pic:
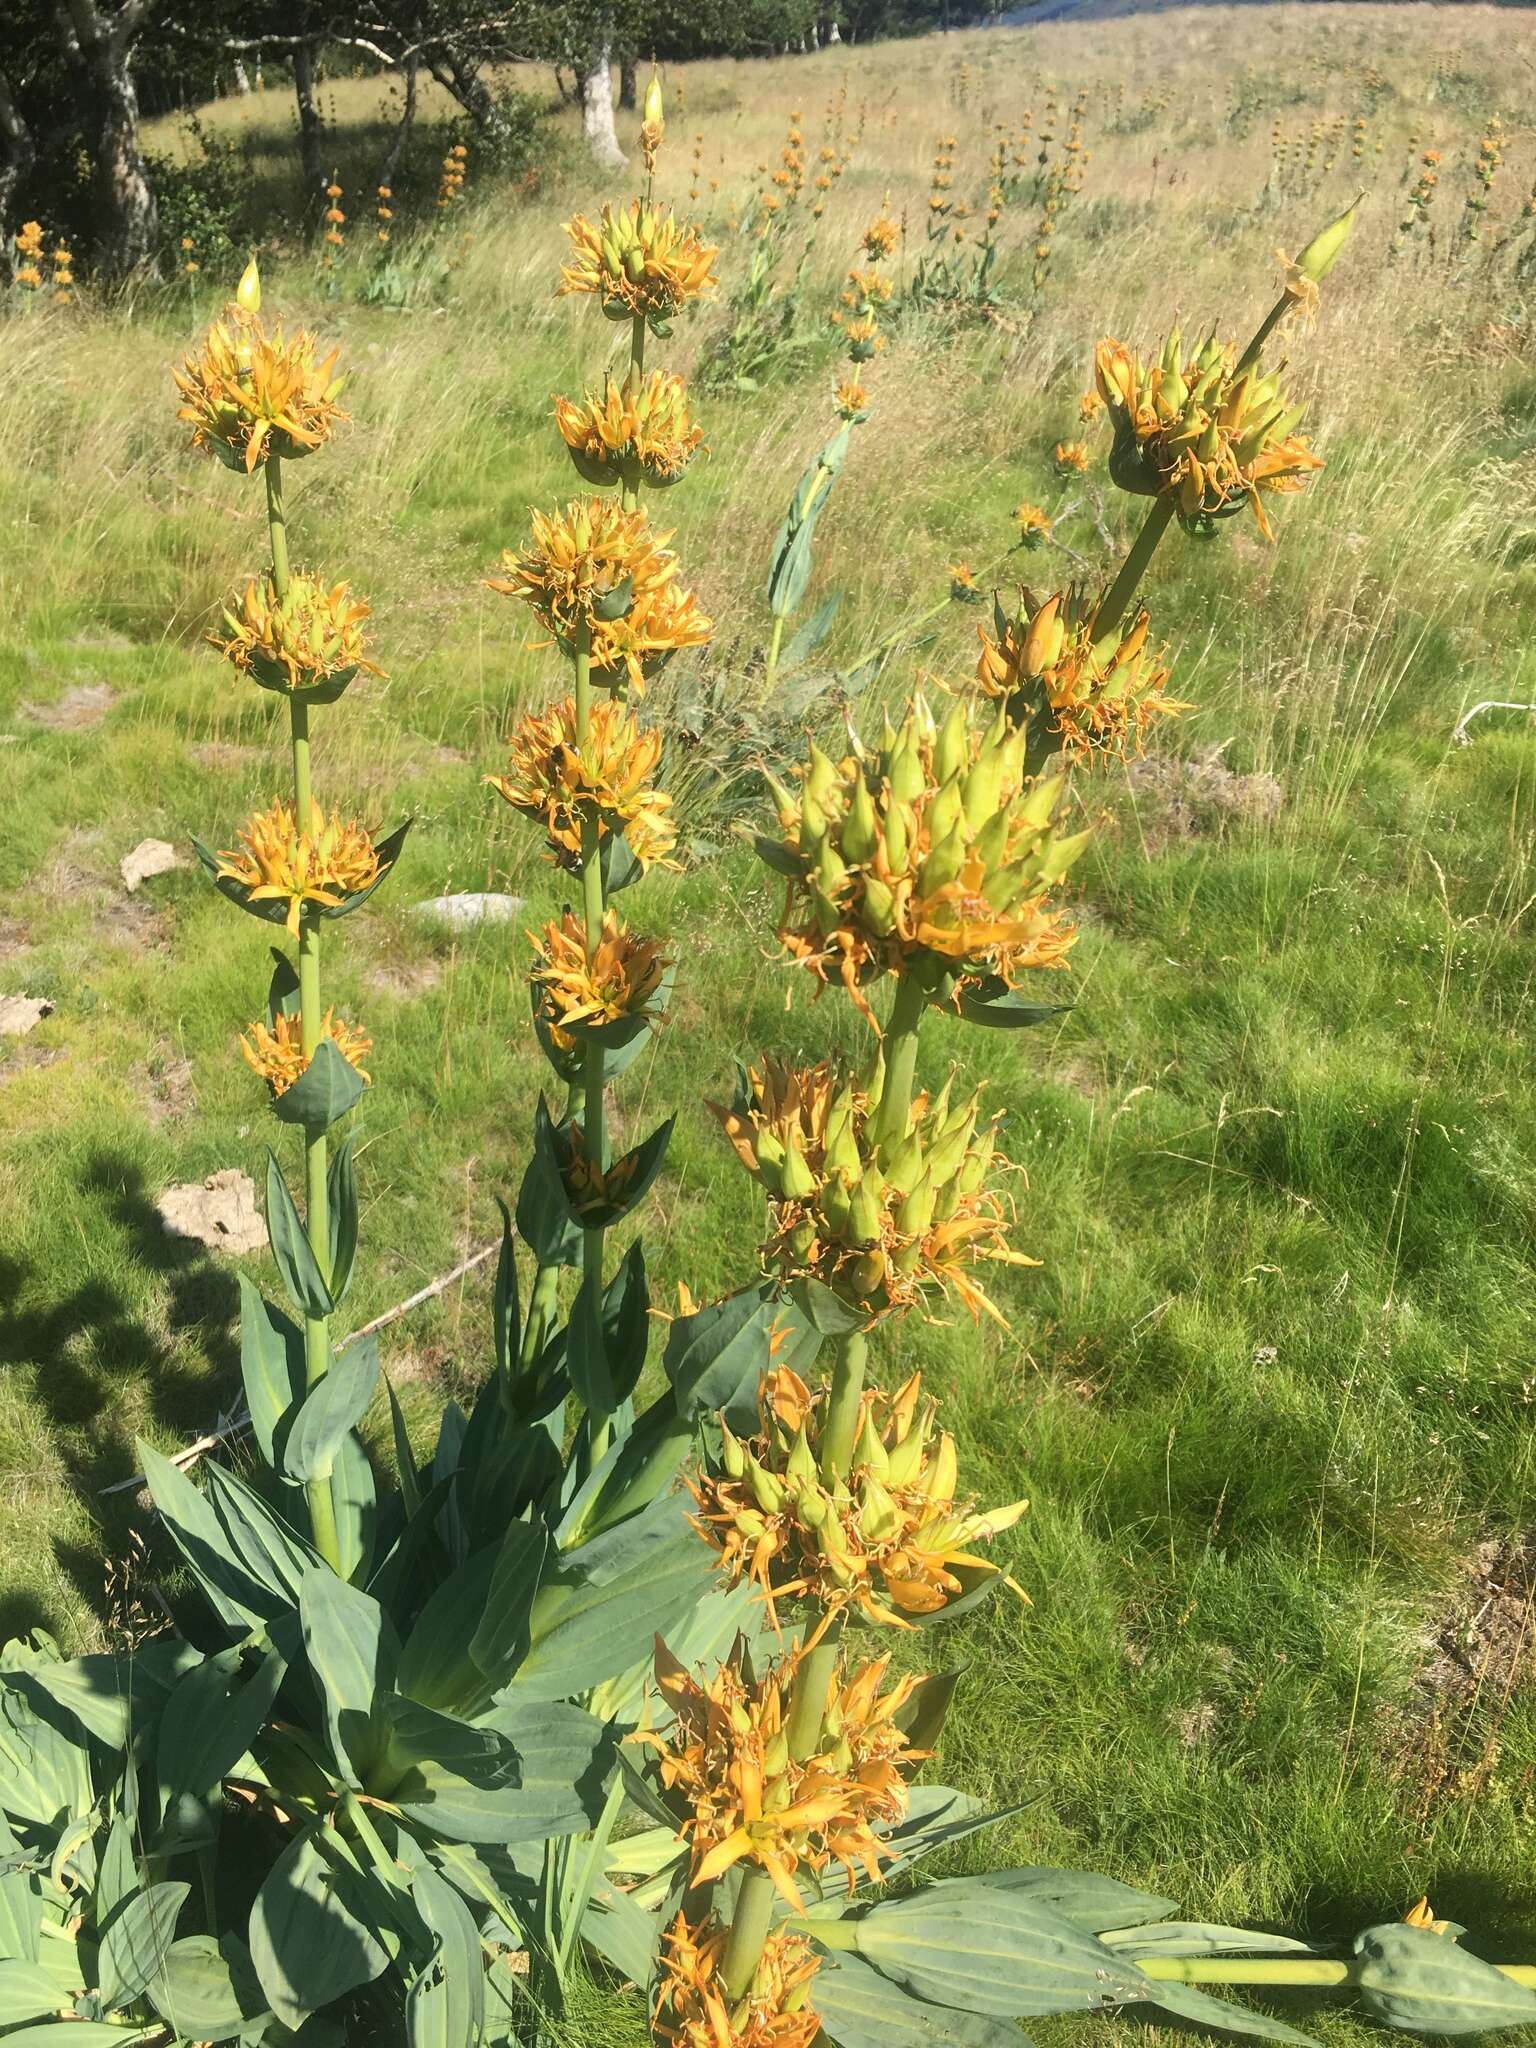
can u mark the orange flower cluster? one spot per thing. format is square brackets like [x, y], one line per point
[638, 261]
[632, 431]
[248, 394]
[310, 637]
[890, 1543]
[553, 776]
[275, 1052]
[693, 2009]
[1099, 694]
[324, 863]
[621, 980]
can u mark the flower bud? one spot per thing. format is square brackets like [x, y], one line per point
[248, 291]
[1324, 250]
[653, 110]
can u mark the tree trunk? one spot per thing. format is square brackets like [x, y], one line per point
[597, 104]
[628, 67]
[391, 162]
[124, 198]
[311, 127]
[16, 156]
[459, 74]
[242, 82]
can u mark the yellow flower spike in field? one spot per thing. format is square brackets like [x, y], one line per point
[331, 859]
[694, 2010]
[599, 566]
[727, 1753]
[309, 640]
[1099, 695]
[621, 979]
[933, 854]
[274, 1050]
[1194, 426]
[639, 262]
[890, 1542]
[887, 1227]
[248, 394]
[554, 776]
[631, 432]
[1034, 524]
[882, 235]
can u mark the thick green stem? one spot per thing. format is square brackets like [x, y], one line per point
[893, 1112]
[842, 1424]
[1267, 325]
[1295, 1971]
[629, 487]
[594, 1113]
[808, 1702]
[543, 1306]
[277, 526]
[1116, 599]
[749, 1932]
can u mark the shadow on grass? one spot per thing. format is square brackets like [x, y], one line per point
[104, 1361]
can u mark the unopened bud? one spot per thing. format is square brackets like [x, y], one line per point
[1324, 250]
[248, 291]
[653, 110]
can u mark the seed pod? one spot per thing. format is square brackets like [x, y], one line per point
[860, 829]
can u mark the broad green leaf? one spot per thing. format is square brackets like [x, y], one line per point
[328, 1087]
[416, 1734]
[630, 1475]
[310, 1939]
[260, 1537]
[716, 1357]
[1200, 2009]
[563, 1758]
[117, 1873]
[586, 1354]
[790, 569]
[623, 1933]
[435, 1665]
[1081, 1896]
[405, 1457]
[271, 1367]
[209, 1723]
[242, 1600]
[457, 2011]
[544, 1218]
[355, 1506]
[20, 1906]
[27, 1992]
[626, 1324]
[861, 2009]
[353, 1655]
[586, 1630]
[982, 1949]
[82, 2034]
[335, 1406]
[113, 1696]
[207, 1989]
[296, 1261]
[135, 1943]
[500, 1642]
[1199, 1938]
[1423, 1983]
[341, 1188]
[937, 1816]
[506, 1316]
[803, 643]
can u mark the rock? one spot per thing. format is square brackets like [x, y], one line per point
[219, 1212]
[471, 908]
[18, 1014]
[149, 857]
[85, 704]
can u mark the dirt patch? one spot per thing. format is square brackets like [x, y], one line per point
[85, 704]
[405, 980]
[164, 1085]
[15, 939]
[1199, 797]
[225, 757]
[1479, 1653]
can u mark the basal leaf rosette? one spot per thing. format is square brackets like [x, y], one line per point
[553, 776]
[639, 261]
[276, 868]
[631, 432]
[1098, 694]
[887, 1227]
[1202, 430]
[248, 393]
[607, 997]
[694, 2010]
[598, 567]
[307, 643]
[890, 1543]
[725, 1761]
[935, 856]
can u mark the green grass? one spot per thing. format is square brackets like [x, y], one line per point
[1271, 1384]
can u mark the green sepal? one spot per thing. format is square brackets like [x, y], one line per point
[586, 1353]
[621, 868]
[283, 998]
[296, 1261]
[328, 1087]
[326, 692]
[773, 853]
[271, 1368]
[826, 1312]
[544, 1219]
[613, 604]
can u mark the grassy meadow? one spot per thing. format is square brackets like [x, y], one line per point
[1271, 1388]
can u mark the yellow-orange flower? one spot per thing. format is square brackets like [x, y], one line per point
[631, 432]
[934, 853]
[1034, 525]
[554, 778]
[888, 1225]
[639, 262]
[851, 398]
[750, 1801]
[249, 394]
[881, 236]
[312, 636]
[325, 863]
[890, 1543]
[694, 2010]
[622, 980]
[1197, 428]
[597, 567]
[1071, 457]
[274, 1050]
[1100, 694]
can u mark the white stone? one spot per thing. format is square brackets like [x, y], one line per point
[219, 1212]
[18, 1014]
[471, 908]
[149, 857]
